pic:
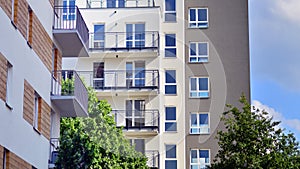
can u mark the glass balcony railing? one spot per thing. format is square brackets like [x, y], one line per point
[69, 94]
[117, 41]
[137, 119]
[122, 79]
[120, 3]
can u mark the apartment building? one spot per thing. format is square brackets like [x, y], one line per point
[31, 97]
[167, 67]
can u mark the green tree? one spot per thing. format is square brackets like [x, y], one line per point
[96, 142]
[252, 140]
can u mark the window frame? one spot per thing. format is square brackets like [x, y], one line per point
[196, 18]
[170, 158]
[37, 112]
[198, 158]
[9, 84]
[174, 122]
[101, 41]
[198, 91]
[170, 12]
[198, 56]
[170, 47]
[199, 127]
[134, 36]
[170, 84]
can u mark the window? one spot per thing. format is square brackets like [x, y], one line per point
[37, 111]
[139, 144]
[69, 10]
[135, 35]
[115, 3]
[135, 113]
[170, 46]
[198, 18]
[5, 158]
[199, 52]
[170, 10]
[170, 85]
[170, 123]
[9, 84]
[14, 7]
[29, 26]
[99, 36]
[171, 162]
[98, 75]
[199, 123]
[199, 159]
[135, 74]
[199, 87]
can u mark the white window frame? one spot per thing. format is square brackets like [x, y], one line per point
[199, 160]
[170, 47]
[171, 84]
[9, 84]
[198, 22]
[171, 159]
[99, 41]
[197, 88]
[169, 12]
[36, 111]
[171, 121]
[134, 39]
[198, 56]
[199, 127]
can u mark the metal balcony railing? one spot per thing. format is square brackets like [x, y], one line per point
[114, 41]
[122, 79]
[153, 159]
[137, 119]
[54, 144]
[120, 3]
[67, 83]
[70, 18]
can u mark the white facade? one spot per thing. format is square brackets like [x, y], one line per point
[115, 20]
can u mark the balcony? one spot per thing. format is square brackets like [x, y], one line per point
[138, 122]
[69, 94]
[70, 31]
[54, 144]
[153, 159]
[120, 3]
[147, 41]
[135, 81]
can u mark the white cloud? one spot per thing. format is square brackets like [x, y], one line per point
[288, 9]
[277, 116]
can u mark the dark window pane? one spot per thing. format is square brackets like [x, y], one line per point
[204, 153]
[192, 15]
[192, 49]
[202, 14]
[111, 3]
[203, 83]
[202, 49]
[170, 76]
[171, 17]
[170, 52]
[170, 5]
[203, 118]
[193, 84]
[193, 119]
[170, 113]
[171, 164]
[170, 89]
[170, 126]
[170, 151]
[170, 40]
[121, 3]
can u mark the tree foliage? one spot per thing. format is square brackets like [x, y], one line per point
[96, 142]
[252, 140]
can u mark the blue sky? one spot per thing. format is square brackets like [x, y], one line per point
[275, 59]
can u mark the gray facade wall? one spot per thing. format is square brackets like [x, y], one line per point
[227, 68]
